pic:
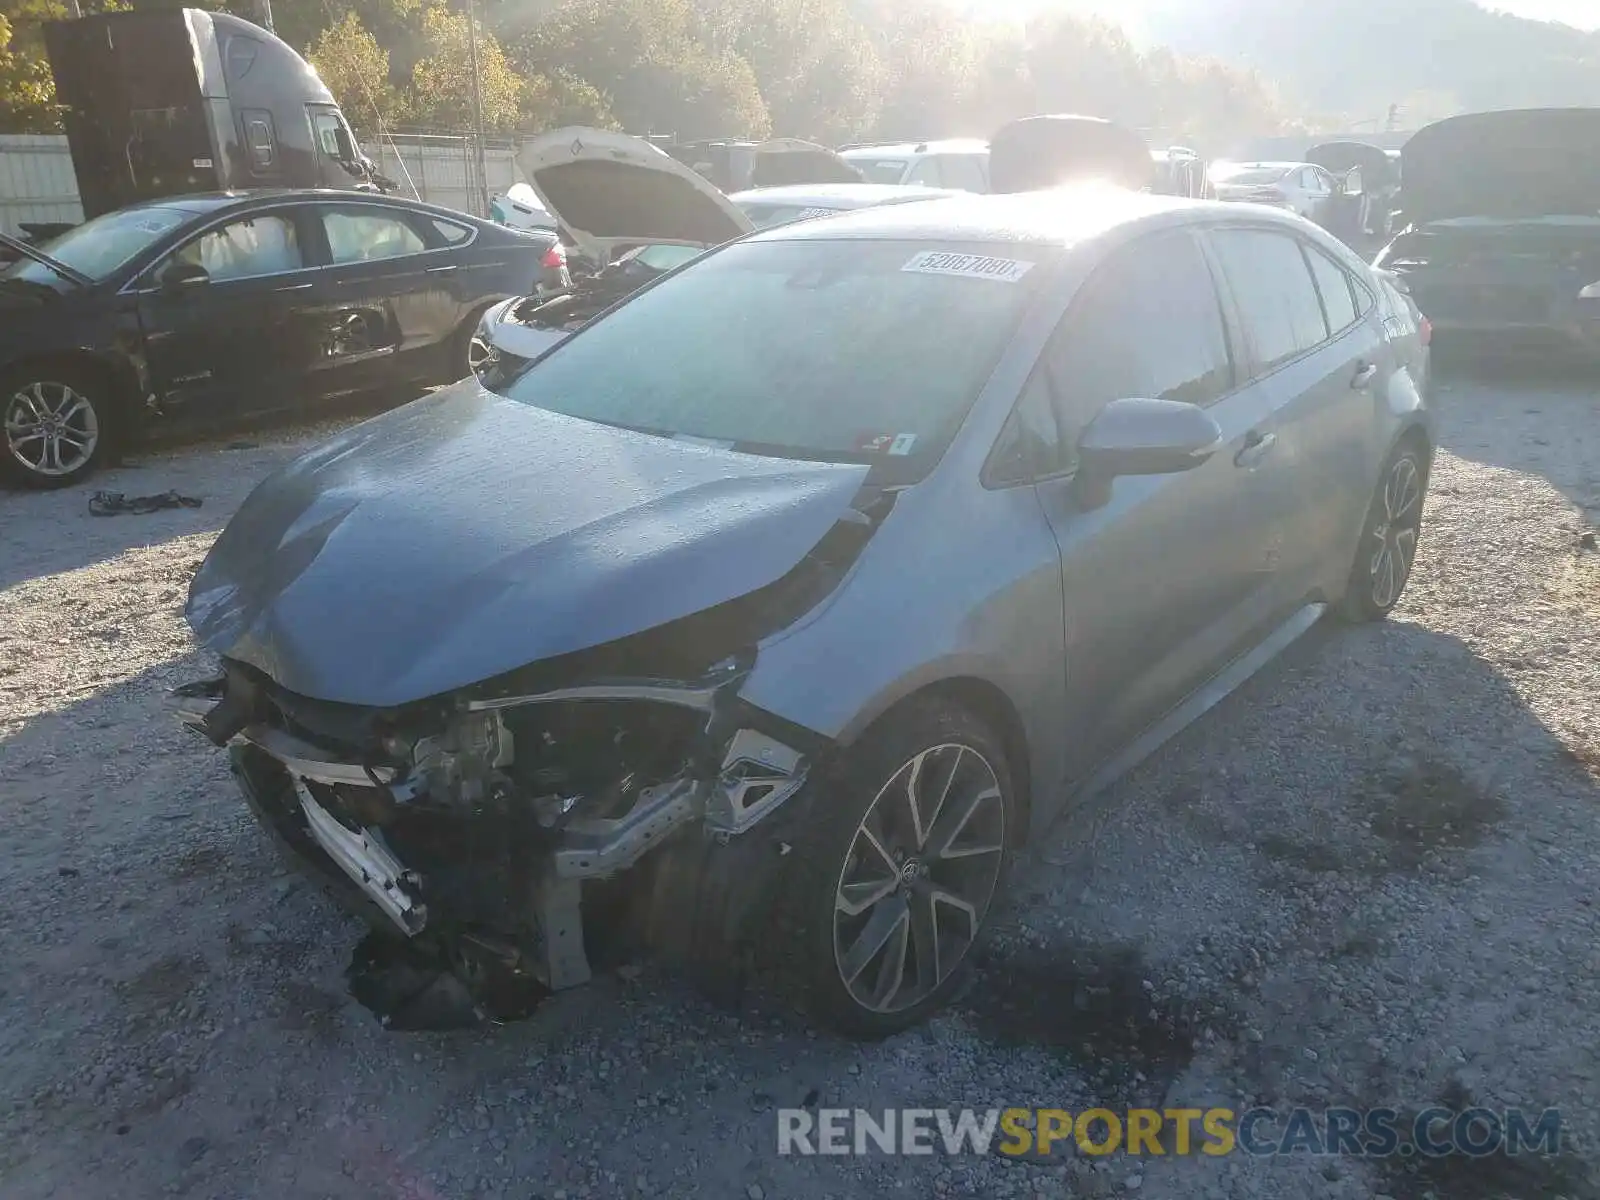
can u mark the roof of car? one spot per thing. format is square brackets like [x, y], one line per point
[841, 195]
[200, 203]
[1062, 216]
[910, 149]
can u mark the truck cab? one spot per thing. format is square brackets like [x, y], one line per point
[164, 102]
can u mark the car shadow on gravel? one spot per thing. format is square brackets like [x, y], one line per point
[1559, 396]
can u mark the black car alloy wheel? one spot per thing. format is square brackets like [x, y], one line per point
[54, 428]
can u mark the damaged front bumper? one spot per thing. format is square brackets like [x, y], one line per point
[487, 820]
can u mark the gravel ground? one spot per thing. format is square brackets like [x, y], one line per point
[1368, 879]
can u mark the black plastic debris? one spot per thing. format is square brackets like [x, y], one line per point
[412, 989]
[113, 504]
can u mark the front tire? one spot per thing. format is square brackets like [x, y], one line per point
[56, 424]
[1388, 546]
[908, 852]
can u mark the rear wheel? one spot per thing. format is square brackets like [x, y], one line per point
[56, 422]
[1388, 546]
[909, 850]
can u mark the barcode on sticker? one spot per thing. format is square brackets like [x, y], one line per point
[971, 266]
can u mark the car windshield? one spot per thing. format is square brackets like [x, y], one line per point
[879, 170]
[98, 247]
[847, 351]
[1250, 174]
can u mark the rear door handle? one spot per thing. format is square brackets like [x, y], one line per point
[1364, 376]
[1257, 446]
[296, 287]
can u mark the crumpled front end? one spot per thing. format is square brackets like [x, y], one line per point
[477, 825]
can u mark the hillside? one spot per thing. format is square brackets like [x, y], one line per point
[1354, 58]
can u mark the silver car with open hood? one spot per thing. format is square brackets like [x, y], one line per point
[776, 609]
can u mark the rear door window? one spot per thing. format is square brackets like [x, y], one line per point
[1274, 292]
[369, 234]
[1337, 290]
[1147, 326]
[926, 172]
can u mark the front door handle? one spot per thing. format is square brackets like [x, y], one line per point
[1257, 446]
[296, 287]
[1364, 376]
[441, 270]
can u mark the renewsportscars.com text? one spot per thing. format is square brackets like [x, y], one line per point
[1369, 1133]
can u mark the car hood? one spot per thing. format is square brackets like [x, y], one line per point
[1521, 163]
[1340, 158]
[465, 535]
[609, 190]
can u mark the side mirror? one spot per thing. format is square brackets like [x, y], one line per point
[183, 275]
[1142, 437]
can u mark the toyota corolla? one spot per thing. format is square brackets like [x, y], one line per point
[789, 598]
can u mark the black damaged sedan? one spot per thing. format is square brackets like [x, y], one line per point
[195, 310]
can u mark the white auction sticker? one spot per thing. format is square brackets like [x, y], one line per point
[971, 266]
[902, 444]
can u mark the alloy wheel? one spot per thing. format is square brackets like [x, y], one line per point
[918, 878]
[1394, 536]
[480, 355]
[51, 428]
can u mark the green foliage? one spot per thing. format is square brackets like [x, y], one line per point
[441, 83]
[828, 70]
[356, 69]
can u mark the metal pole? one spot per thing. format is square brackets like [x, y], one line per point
[73, 10]
[477, 110]
[266, 16]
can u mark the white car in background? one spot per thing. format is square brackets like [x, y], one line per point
[1297, 187]
[626, 203]
[960, 163]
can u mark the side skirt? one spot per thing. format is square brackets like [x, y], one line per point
[1202, 700]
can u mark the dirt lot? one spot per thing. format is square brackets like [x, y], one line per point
[1369, 878]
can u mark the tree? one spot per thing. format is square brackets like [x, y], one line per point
[441, 83]
[356, 69]
[643, 55]
[552, 101]
[27, 90]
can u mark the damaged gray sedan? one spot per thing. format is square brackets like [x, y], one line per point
[780, 605]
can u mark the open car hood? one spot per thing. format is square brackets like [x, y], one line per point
[465, 535]
[1046, 151]
[1519, 163]
[1340, 158]
[609, 190]
[786, 161]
